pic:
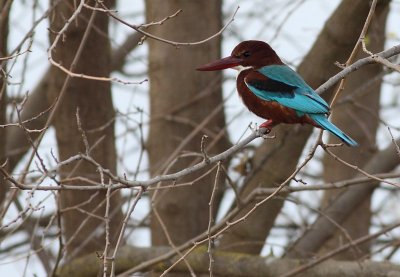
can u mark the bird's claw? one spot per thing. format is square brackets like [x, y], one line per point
[263, 132]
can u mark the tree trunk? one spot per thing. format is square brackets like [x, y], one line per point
[363, 123]
[4, 12]
[84, 233]
[175, 83]
[17, 144]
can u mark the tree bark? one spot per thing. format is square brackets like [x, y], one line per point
[83, 231]
[175, 83]
[4, 15]
[275, 160]
[17, 144]
[360, 117]
[230, 264]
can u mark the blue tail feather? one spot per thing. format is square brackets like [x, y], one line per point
[322, 121]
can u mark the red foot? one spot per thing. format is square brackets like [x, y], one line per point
[268, 124]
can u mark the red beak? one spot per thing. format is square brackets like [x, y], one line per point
[224, 63]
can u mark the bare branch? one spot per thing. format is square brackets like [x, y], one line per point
[229, 264]
[139, 29]
[393, 51]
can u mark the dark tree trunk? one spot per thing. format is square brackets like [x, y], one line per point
[177, 109]
[361, 116]
[93, 99]
[4, 12]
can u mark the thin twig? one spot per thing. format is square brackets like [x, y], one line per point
[107, 233]
[124, 224]
[211, 219]
[394, 141]
[371, 176]
[355, 49]
[139, 29]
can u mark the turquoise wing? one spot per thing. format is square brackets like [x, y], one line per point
[282, 84]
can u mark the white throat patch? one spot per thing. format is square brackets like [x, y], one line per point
[240, 68]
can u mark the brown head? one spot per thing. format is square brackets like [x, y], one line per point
[249, 53]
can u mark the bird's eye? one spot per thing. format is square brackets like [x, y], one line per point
[246, 54]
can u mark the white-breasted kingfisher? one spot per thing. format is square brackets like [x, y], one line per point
[272, 90]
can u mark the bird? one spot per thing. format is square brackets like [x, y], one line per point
[273, 91]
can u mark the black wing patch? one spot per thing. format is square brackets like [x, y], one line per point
[272, 85]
